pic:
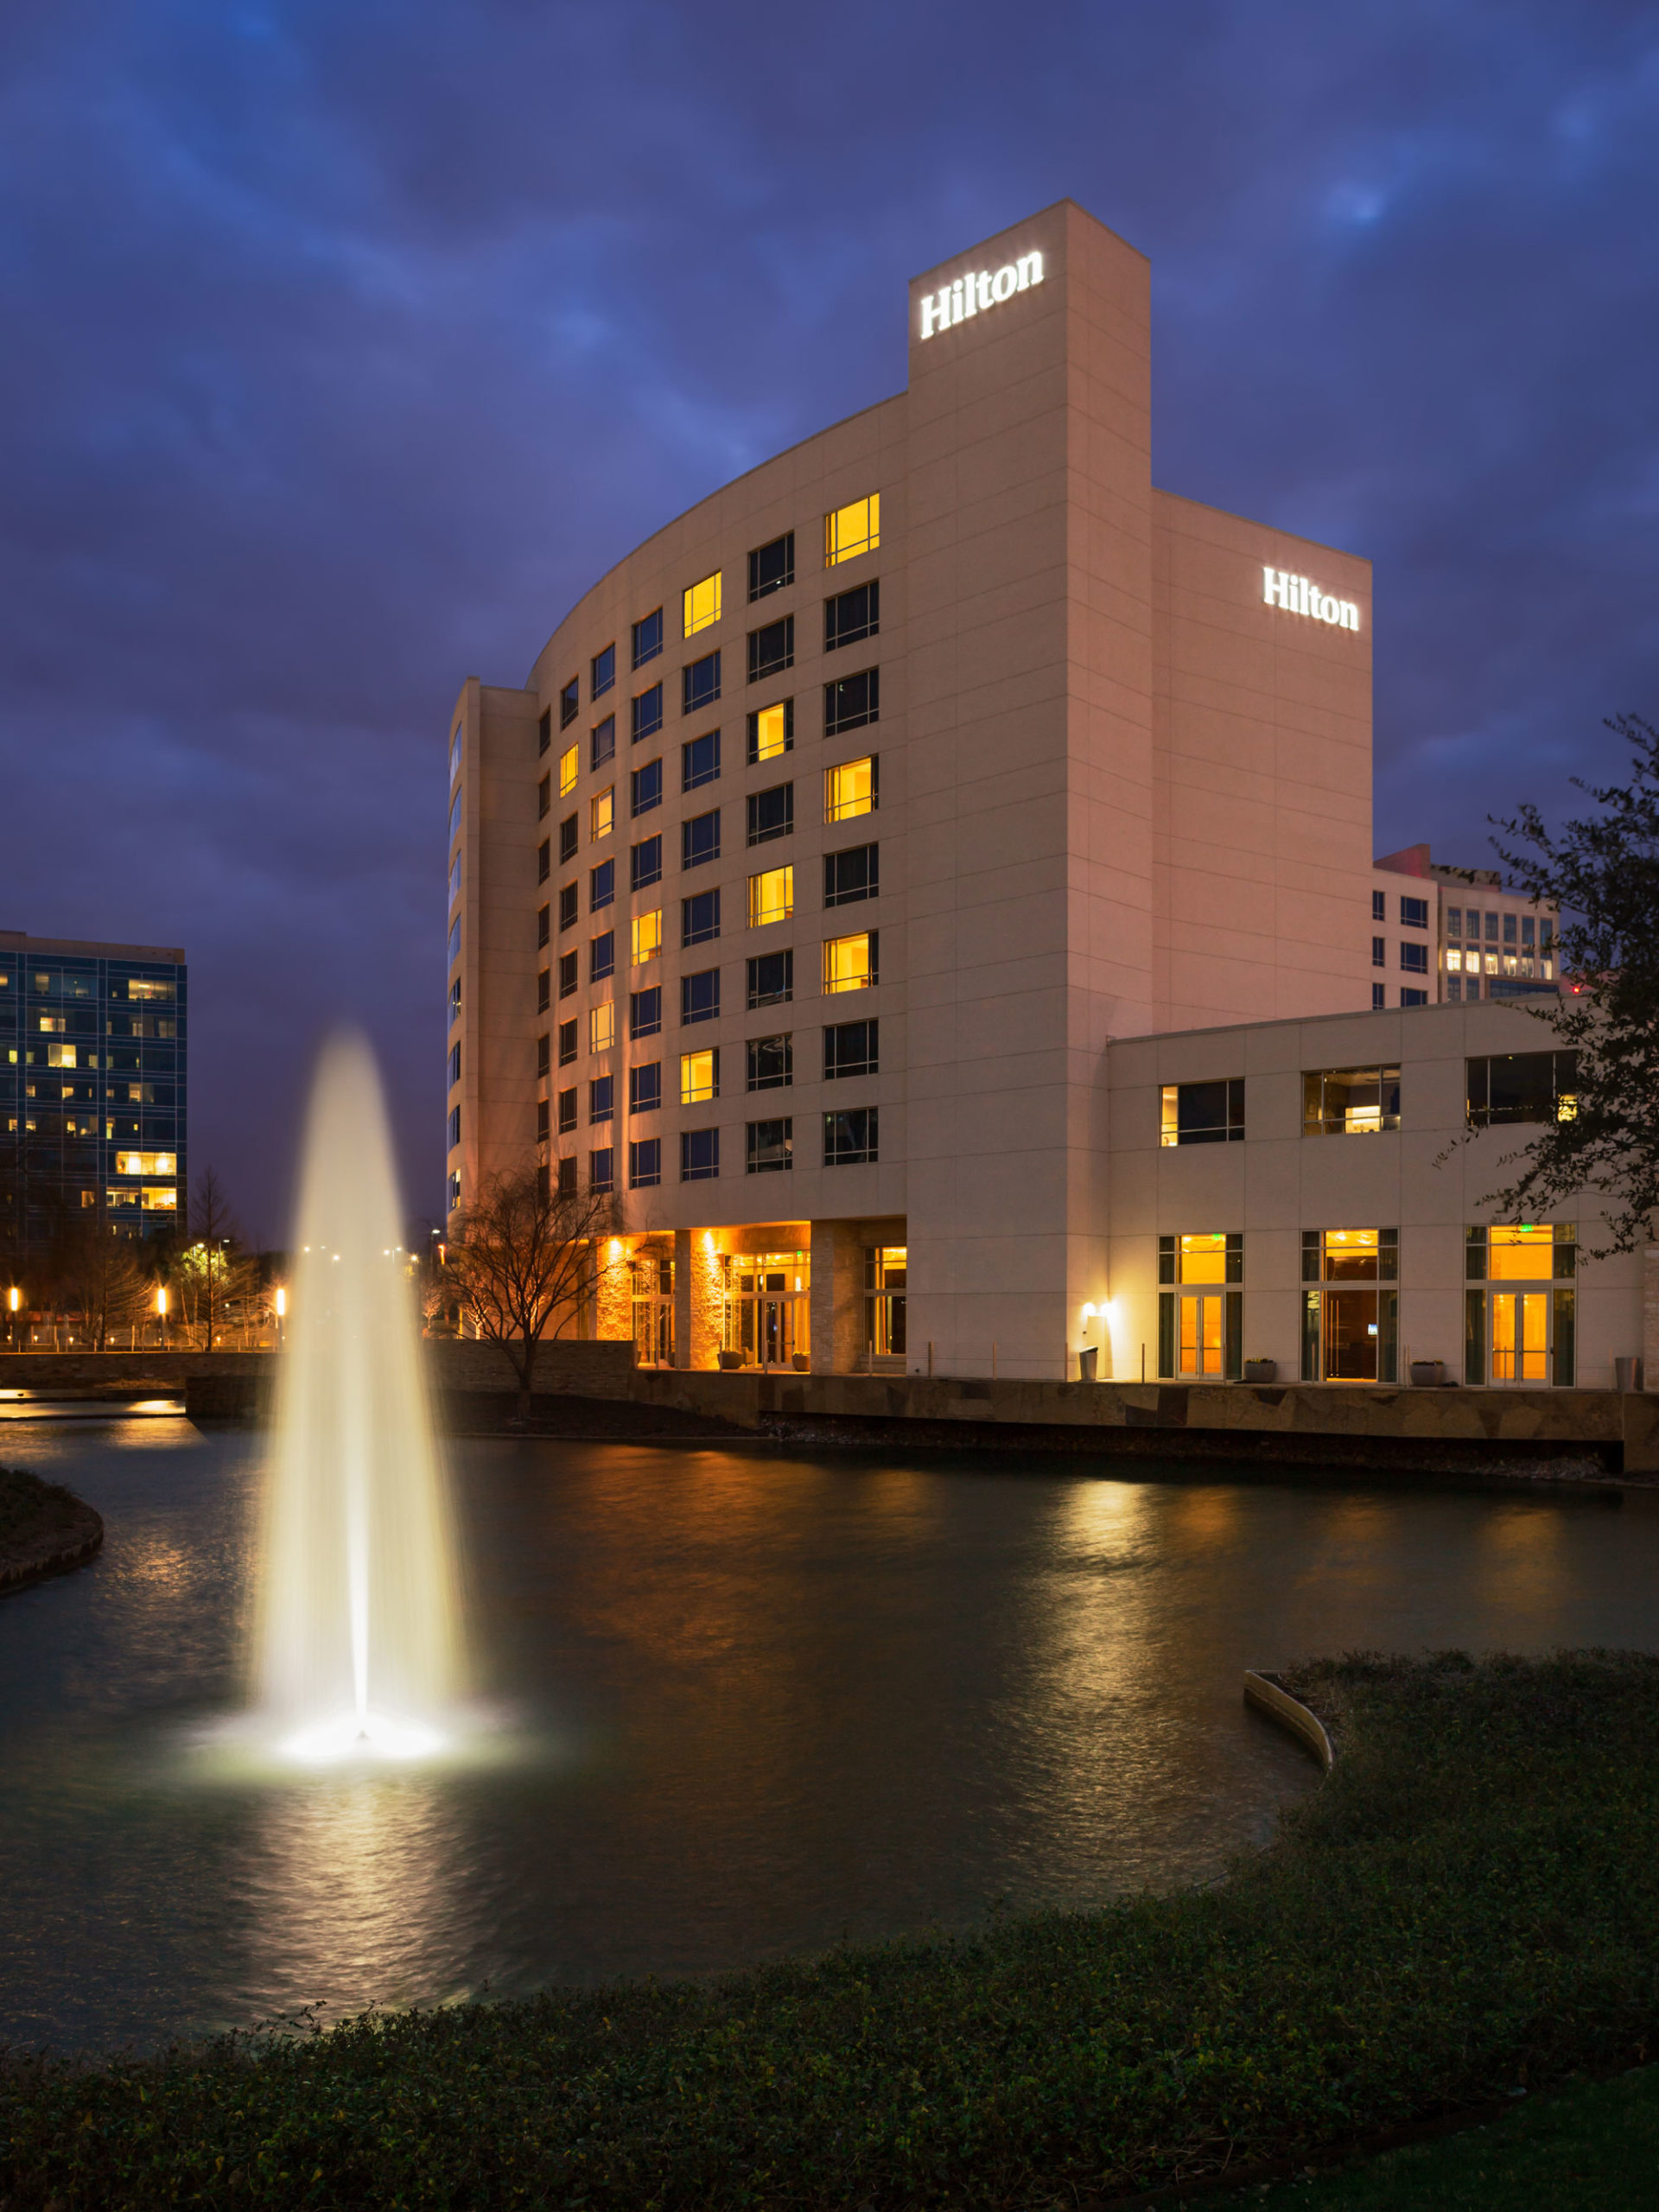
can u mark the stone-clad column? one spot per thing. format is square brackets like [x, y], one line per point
[1650, 1318]
[837, 1297]
[696, 1299]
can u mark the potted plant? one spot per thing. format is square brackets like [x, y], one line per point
[731, 1359]
[800, 1361]
[1261, 1370]
[1427, 1374]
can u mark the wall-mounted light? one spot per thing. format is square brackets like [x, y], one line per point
[282, 1302]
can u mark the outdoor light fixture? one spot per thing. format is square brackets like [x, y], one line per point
[282, 1303]
[160, 1302]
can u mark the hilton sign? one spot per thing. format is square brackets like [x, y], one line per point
[974, 295]
[1297, 596]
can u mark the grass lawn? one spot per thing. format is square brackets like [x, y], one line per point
[1468, 1905]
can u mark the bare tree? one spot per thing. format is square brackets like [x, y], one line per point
[102, 1280]
[520, 1260]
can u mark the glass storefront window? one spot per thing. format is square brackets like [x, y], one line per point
[886, 1274]
[766, 1307]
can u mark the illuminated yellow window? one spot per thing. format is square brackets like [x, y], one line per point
[121, 1198]
[54, 1024]
[699, 1076]
[59, 1056]
[160, 1197]
[146, 1163]
[147, 987]
[850, 790]
[601, 1027]
[647, 936]
[1521, 1253]
[771, 732]
[602, 809]
[703, 604]
[1204, 1259]
[568, 767]
[849, 962]
[772, 896]
[851, 530]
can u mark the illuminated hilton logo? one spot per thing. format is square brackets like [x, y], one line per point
[973, 295]
[1297, 596]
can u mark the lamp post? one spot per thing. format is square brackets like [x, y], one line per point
[161, 1308]
[282, 1312]
[14, 1300]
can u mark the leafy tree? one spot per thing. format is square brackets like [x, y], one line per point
[210, 1271]
[1602, 871]
[519, 1260]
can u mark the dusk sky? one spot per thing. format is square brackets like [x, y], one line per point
[347, 343]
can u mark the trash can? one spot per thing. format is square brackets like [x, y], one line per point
[1087, 1361]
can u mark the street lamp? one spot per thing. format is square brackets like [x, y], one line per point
[14, 1300]
[282, 1311]
[161, 1308]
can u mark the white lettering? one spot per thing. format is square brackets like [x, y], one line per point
[956, 300]
[1348, 615]
[1005, 283]
[1329, 610]
[1028, 269]
[1296, 595]
[936, 312]
[975, 295]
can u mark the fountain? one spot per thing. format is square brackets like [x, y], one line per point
[356, 1640]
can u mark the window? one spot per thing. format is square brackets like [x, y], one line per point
[646, 788]
[699, 1155]
[647, 714]
[569, 768]
[770, 1148]
[700, 997]
[645, 1164]
[851, 875]
[853, 615]
[1414, 958]
[850, 962]
[569, 835]
[700, 839]
[453, 1130]
[568, 1178]
[646, 863]
[601, 1168]
[567, 1042]
[543, 1059]
[1414, 998]
[1215, 1257]
[1350, 1325]
[772, 567]
[542, 1127]
[543, 739]
[1201, 1324]
[771, 648]
[852, 530]
[543, 864]
[770, 979]
[455, 816]
[850, 1138]
[602, 814]
[1379, 906]
[601, 885]
[648, 639]
[703, 604]
[1413, 913]
[567, 1110]
[1509, 928]
[851, 1048]
[852, 701]
[543, 924]
[601, 956]
[568, 973]
[602, 1099]
[699, 684]
[700, 761]
[543, 993]
[1202, 1113]
[1379, 952]
[1379, 997]
[601, 1027]
[700, 918]
[1350, 1101]
[1522, 1087]
[645, 1012]
[647, 936]
[772, 813]
[771, 732]
[851, 789]
[772, 897]
[699, 1076]
[543, 798]
[602, 672]
[1534, 1252]
[602, 742]
[569, 701]
[153, 1163]
[567, 903]
[771, 1062]
[646, 1088]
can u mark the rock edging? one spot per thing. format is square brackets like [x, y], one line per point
[1270, 1697]
[74, 1539]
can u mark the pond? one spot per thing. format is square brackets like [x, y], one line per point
[751, 1705]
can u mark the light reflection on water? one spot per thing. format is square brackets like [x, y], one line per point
[732, 1708]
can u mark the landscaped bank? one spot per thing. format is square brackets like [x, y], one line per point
[1469, 1904]
[44, 1529]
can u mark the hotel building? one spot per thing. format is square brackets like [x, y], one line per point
[873, 855]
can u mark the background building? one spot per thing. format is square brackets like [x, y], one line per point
[1456, 935]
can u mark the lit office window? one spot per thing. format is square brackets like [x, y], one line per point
[850, 962]
[772, 897]
[703, 604]
[647, 936]
[850, 789]
[602, 813]
[699, 1076]
[601, 1027]
[771, 732]
[569, 770]
[852, 530]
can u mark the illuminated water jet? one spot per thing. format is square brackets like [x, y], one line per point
[357, 1634]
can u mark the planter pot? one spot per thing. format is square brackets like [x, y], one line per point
[1088, 1361]
[1427, 1374]
[728, 1360]
[1261, 1370]
[801, 1362]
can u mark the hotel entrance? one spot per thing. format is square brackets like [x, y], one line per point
[1521, 1332]
[767, 1314]
[653, 1280]
[1350, 1312]
[1201, 1322]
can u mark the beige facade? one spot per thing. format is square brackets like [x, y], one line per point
[1455, 936]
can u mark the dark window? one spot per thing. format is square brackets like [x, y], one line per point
[700, 996]
[1379, 906]
[1414, 958]
[700, 839]
[648, 787]
[1379, 997]
[602, 1099]
[568, 973]
[646, 863]
[602, 674]
[770, 1148]
[772, 731]
[772, 813]
[648, 713]
[601, 885]
[852, 701]
[545, 730]
[648, 639]
[851, 875]
[567, 1042]
[700, 761]
[772, 567]
[646, 1088]
[569, 701]
[1350, 1101]
[772, 979]
[851, 1048]
[543, 993]
[850, 1137]
[603, 742]
[567, 1110]
[771, 648]
[601, 956]
[1413, 913]
[542, 1127]
[699, 1155]
[700, 684]
[568, 1178]
[1522, 1087]
[1379, 952]
[646, 1161]
[544, 860]
[700, 918]
[851, 615]
[568, 904]
[645, 1012]
[543, 1055]
[567, 839]
[543, 924]
[1202, 1113]
[772, 1063]
[1414, 998]
[544, 798]
[1509, 928]
[455, 1127]
[601, 1168]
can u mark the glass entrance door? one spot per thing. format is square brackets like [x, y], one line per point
[1203, 1335]
[1521, 1336]
[768, 1307]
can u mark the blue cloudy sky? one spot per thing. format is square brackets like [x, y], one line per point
[346, 342]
